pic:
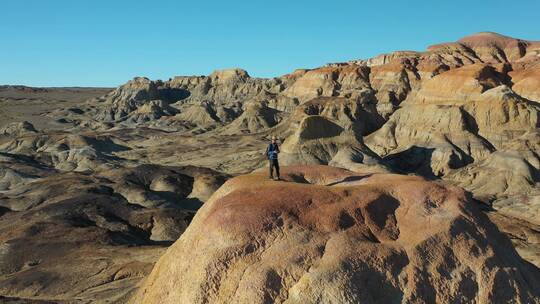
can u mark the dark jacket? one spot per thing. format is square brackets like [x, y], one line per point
[272, 151]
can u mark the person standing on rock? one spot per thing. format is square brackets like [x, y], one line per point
[272, 154]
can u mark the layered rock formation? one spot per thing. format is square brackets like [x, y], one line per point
[477, 94]
[202, 101]
[474, 122]
[328, 235]
[464, 113]
[455, 112]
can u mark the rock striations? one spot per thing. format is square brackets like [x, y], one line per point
[94, 183]
[328, 235]
[444, 113]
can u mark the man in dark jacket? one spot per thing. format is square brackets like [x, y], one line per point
[272, 153]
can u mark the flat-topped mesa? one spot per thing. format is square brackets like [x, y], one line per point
[217, 77]
[328, 235]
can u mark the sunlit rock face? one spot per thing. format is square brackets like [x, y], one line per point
[106, 179]
[328, 235]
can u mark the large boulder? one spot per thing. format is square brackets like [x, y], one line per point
[327, 235]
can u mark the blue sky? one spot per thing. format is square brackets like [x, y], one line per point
[106, 43]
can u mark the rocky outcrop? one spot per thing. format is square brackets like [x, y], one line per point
[344, 81]
[526, 80]
[451, 125]
[439, 113]
[491, 47]
[135, 96]
[198, 101]
[316, 139]
[359, 115]
[523, 235]
[429, 144]
[326, 127]
[329, 235]
[255, 118]
[17, 129]
[201, 115]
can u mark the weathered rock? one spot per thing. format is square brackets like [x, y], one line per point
[526, 81]
[329, 81]
[200, 115]
[135, 96]
[429, 144]
[16, 129]
[495, 47]
[523, 235]
[465, 112]
[356, 114]
[256, 117]
[450, 126]
[326, 235]
[329, 129]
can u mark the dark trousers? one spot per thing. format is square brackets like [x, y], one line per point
[274, 164]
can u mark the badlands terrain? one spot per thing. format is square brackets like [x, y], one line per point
[410, 177]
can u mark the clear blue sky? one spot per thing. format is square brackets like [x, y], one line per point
[106, 43]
